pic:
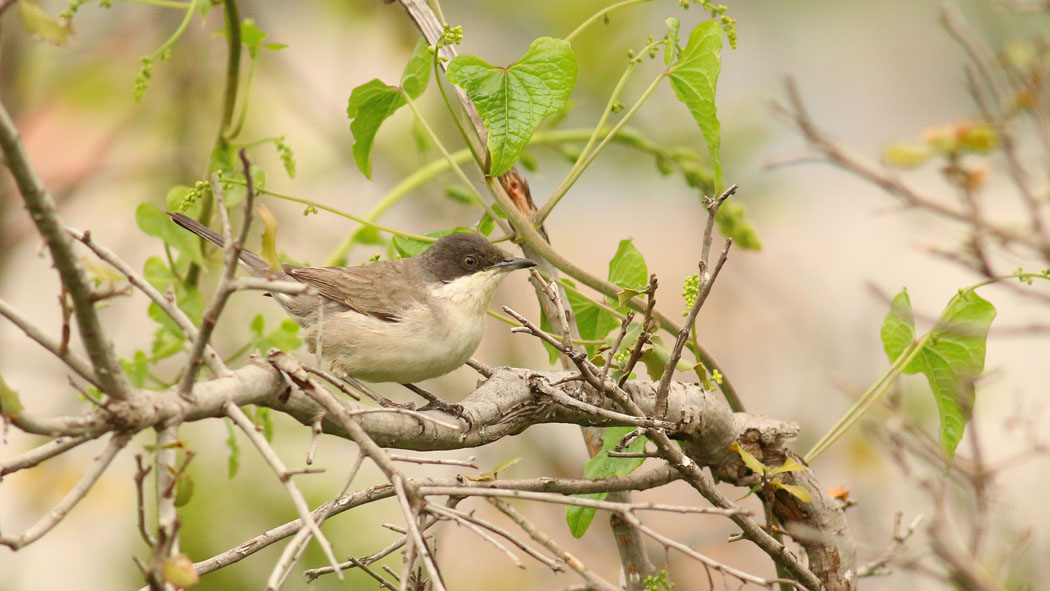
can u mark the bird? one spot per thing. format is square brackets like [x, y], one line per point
[401, 320]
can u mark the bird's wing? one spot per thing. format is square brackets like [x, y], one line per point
[364, 289]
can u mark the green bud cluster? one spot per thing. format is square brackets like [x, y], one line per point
[690, 289]
[451, 36]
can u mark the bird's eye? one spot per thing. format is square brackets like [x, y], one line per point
[470, 260]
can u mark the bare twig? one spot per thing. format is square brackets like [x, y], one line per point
[60, 510]
[643, 337]
[797, 115]
[707, 281]
[725, 569]
[877, 566]
[163, 302]
[468, 522]
[295, 548]
[551, 564]
[544, 540]
[471, 463]
[71, 359]
[616, 346]
[44, 452]
[141, 471]
[245, 424]
[368, 446]
[231, 254]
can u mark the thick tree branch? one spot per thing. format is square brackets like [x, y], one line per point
[45, 215]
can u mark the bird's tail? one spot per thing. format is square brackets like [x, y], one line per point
[255, 263]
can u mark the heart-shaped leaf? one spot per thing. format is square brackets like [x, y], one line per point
[513, 100]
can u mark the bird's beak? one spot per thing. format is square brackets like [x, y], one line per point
[514, 263]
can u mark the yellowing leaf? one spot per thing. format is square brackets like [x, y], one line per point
[794, 490]
[269, 237]
[789, 465]
[749, 460]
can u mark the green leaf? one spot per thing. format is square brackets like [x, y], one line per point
[10, 404]
[368, 235]
[733, 223]
[264, 420]
[221, 159]
[184, 487]
[592, 320]
[158, 274]
[183, 199]
[627, 267]
[284, 337]
[189, 299]
[626, 294]
[545, 325]
[898, 329]
[233, 461]
[494, 473]
[694, 78]
[166, 323]
[410, 247]
[460, 194]
[512, 101]
[656, 357]
[155, 222]
[136, 369]
[39, 24]
[952, 359]
[416, 76]
[601, 466]
[370, 105]
[166, 343]
[671, 46]
[251, 37]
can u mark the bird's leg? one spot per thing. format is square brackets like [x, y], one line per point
[382, 400]
[436, 403]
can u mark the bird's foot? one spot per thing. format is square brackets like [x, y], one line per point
[382, 400]
[436, 403]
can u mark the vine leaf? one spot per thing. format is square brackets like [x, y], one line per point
[627, 268]
[601, 466]
[951, 355]
[374, 102]
[693, 78]
[513, 100]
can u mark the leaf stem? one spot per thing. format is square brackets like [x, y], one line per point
[1019, 275]
[867, 399]
[164, 3]
[586, 158]
[601, 13]
[233, 67]
[455, 165]
[469, 141]
[179, 31]
[337, 212]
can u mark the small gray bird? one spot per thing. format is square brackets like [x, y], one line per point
[401, 320]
